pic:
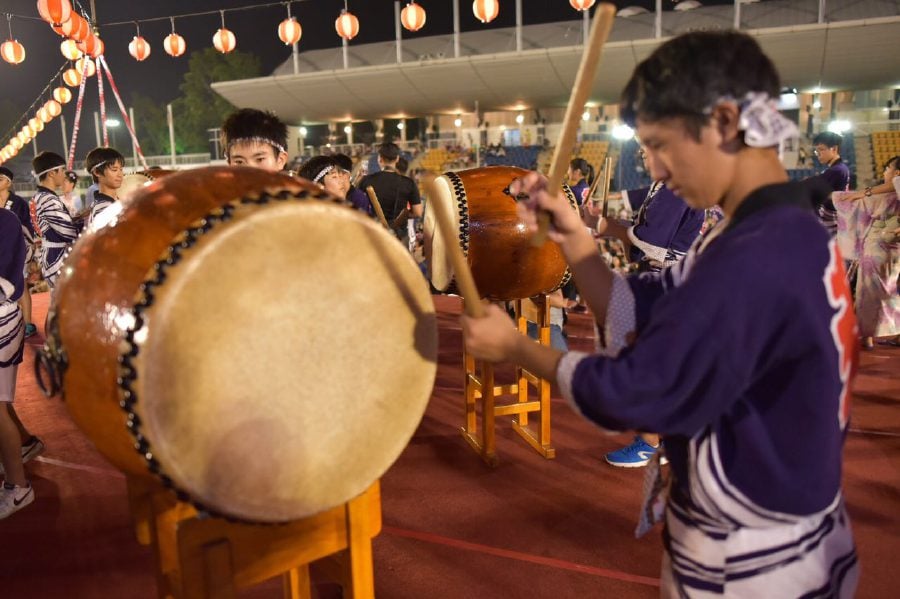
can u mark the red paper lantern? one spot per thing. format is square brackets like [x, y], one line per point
[174, 45]
[69, 49]
[289, 31]
[72, 78]
[347, 25]
[581, 4]
[44, 114]
[36, 125]
[486, 10]
[80, 66]
[12, 51]
[92, 46]
[412, 17]
[53, 107]
[139, 48]
[75, 28]
[62, 95]
[55, 12]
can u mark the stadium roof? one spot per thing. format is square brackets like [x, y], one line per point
[840, 55]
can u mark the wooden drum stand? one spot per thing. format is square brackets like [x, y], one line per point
[482, 387]
[200, 557]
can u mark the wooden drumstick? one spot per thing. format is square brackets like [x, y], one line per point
[464, 279]
[607, 177]
[594, 185]
[584, 80]
[377, 205]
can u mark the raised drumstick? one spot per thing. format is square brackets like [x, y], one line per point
[587, 71]
[377, 205]
[463, 273]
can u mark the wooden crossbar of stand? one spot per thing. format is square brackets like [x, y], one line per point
[482, 387]
[211, 558]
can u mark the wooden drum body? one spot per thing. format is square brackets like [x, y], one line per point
[267, 350]
[504, 264]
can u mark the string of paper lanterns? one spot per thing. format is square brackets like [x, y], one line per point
[42, 113]
[224, 40]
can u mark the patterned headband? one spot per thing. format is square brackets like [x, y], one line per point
[322, 173]
[262, 140]
[763, 125]
[38, 176]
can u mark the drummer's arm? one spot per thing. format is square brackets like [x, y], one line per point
[593, 277]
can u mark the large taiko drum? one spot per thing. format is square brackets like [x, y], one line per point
[135, 181]
[267, 350]
[498, 248]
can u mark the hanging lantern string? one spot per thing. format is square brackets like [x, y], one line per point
[222, 12]
[288, 4]
[9, 23]
[128, 124]
[76, 126]
[172, 19]
[32, 109]
[137, 26]
[204, 13]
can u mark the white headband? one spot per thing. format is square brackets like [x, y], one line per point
[323, 172]
[263, 140]
[763, 125]
[38, 176]
[98, 165]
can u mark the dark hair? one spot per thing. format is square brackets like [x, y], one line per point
[72, 176]
[247, 123]
[47, 161]
[314, 166]
[6, 173]
[828, 139]
[344, 161]
[389, 151]
[580, 164]
[690, 73]
[402, 165]
[102, 158]
[893, 160]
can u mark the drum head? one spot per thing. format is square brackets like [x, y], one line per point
[437, 258]
[132, 183]
[284, 360]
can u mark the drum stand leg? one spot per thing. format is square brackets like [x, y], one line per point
[211, 558]
[483, 387]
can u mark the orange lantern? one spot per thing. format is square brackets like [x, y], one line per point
[62, 95]
[581, 4]
[92, 46]
[12, 51]
[44, 114]
[139, 48]
[69, 49]
[486, 10]
[174, 45]
[72, 78]
[36, 124]
[75, 28]
[53, 107]
[55, 12]
[412, 17]
[80, 66]
[16, 143]
[289, 31]
[347, 25]
[224, 41]
[23, 138]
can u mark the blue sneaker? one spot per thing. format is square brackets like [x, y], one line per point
[635, 455]
[30, 329]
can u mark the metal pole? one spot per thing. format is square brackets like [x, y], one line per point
[658, 19]
[171, 120]
[134, 127]
[295, 54]
[518, 25]
[821, 11]
[455, 28]
[397, 33]
[62, 127]
[585, 26]
[34, 145]
[97, 128]
[346, 53]
[737, 14]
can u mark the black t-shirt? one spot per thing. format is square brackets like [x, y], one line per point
[394, 191]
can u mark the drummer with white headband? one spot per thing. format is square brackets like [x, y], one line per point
[53, 219]
[255, 138]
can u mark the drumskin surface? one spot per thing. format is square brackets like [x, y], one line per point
[275, 363]
[498, 247]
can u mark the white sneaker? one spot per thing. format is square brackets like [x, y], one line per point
[13, 498]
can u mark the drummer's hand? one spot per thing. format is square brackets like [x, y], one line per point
[564, 220]
[492, 337]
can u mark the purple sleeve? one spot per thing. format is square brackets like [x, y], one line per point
[12, 257]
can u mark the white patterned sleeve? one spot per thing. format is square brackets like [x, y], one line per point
[621, 320]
